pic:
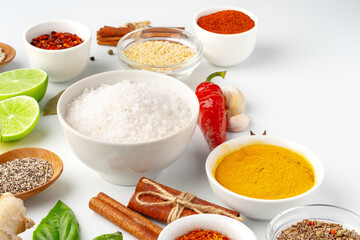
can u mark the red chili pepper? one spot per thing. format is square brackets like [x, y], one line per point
[212, 115]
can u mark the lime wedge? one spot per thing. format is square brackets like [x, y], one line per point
[30, 82]
[18, 116]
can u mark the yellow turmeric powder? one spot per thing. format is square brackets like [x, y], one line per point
[265, 171]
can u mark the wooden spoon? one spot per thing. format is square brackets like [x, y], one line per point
[49, 156]
[10, 54]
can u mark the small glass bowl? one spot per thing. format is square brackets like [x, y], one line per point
[181, 70]
[320, 212]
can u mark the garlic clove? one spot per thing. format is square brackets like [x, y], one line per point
[234, 101]
[238, 122]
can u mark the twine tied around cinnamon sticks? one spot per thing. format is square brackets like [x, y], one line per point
[138, 25]
[179, 202]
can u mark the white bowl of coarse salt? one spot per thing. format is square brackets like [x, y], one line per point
[128, 124]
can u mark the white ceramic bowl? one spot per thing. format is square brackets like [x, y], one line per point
[64, 64]
[260, 208]
[226, 50]
[126, 163]
[181, 70]
[233, 229]
[319, 212]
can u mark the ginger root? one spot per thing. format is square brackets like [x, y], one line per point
[13, 220]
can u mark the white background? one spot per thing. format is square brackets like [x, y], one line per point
[301, 83]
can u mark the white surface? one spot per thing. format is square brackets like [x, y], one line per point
[301, 83]
[234, 229]
[261, 209]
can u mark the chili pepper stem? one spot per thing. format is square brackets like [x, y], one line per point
[215, 74]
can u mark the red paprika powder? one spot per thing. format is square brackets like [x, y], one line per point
[226, 22]
[201, 234]
[56, 41]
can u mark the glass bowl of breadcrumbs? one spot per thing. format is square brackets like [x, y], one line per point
[171, 51]
[315, 221]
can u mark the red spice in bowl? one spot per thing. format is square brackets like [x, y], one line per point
[201, 234]
[226, 22]
[56, 41]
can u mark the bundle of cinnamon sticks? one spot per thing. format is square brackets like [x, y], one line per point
[156, 201]
[108, 35]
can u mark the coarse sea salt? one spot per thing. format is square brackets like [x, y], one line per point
[128, 112]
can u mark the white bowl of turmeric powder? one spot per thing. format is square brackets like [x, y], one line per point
[171, 51]
[260, 176]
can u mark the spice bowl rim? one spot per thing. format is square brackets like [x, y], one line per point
[53, 159]
[83, 26]
[276, 225]
[171, 68]
[185, 224]
[216, 9]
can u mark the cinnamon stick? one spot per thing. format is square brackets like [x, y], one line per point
[130, 213]
[108, 31]
[108, 43]
[162, 34]
[121, 219]
[161, 212]
[109, 39]
[113, 41]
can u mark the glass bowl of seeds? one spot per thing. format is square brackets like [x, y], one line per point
[316, 221]
[171, 51]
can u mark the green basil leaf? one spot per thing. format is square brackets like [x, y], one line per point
[112, 236]
[59, 224]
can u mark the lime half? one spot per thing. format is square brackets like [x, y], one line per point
[18, 116]
[30, 82]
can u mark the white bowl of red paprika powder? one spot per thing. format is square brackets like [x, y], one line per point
[61, 48]
[228, 34]
[206, 226]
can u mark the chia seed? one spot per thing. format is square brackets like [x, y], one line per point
[24, 174]
[317, 230]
